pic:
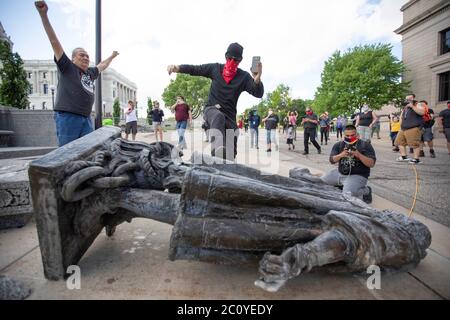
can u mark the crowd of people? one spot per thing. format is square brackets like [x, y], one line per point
[353, 151]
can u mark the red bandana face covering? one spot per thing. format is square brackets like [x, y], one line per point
[309, 113]
[230, 70]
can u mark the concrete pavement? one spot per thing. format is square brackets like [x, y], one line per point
[133, 263]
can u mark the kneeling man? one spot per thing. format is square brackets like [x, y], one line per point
[355, 158]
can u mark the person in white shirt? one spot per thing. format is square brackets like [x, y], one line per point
[131, 121]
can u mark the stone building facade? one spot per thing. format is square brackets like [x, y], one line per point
[426, 49]
[43, 77]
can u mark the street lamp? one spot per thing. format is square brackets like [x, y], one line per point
[52, 89]
[104, 108]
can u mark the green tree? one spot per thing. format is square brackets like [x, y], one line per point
[278, 100]
[368, 74]
[149, 111]
[14, 86]
[116, 112]
[194, 89]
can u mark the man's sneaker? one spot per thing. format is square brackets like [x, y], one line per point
[306, 153]
[401, 159]
[421, 154]
[367, 198]
[432, 154]
[269, 150]
[319, 151]
[414, 161]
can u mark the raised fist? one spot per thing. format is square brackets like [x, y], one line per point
[41, 6]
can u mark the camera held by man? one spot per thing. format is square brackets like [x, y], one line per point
[355, 158]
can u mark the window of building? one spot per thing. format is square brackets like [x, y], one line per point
[44, 105]
[44, 75]
[30, 89]
[114, 93]
[444, 86]
[45, 88]
[30, 74]
[445, 41]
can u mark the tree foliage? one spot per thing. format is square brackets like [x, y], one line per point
[116, 112]
[194, 89]
[368, 74]
[14, 86]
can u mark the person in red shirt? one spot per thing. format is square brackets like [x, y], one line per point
[183, 115]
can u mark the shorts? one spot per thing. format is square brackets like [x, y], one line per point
[131, 127]
[364, 133]
[427, 135]
[411, 137]
[156, 126]
[447, 134]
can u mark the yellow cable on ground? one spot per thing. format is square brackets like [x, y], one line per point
[417, 191]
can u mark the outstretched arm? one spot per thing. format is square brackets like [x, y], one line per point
[42, 8]
[105, 64]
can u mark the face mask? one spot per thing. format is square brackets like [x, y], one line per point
[230, 70]
[309, 113]
[351, 140]
[365, 109]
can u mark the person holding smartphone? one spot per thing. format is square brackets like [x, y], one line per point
[228, 82]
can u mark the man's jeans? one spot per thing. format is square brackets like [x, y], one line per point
[181, 129]
[254, 137]
[71, 126]
[354, 184]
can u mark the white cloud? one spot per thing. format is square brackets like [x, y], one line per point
[293, 37]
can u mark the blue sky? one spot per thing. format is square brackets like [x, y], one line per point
[294, 37]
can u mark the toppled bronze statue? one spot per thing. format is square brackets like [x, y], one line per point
[221, 212]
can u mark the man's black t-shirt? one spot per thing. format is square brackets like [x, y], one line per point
[272, 122]
[157, 115]
[76, 89]
[351, 165]
[221, 93]
[309, 124]
[445, 115]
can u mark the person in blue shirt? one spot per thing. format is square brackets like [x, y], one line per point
[254, 121]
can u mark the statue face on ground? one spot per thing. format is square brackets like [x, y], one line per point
[224, 213]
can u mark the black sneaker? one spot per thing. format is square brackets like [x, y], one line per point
[319, 151]
[432, 154]
[305, 153]
[367, 198]
[421, 154]
[414, 161]
[269, 150]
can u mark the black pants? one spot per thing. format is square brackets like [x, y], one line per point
[323, 133]
[223, 133]
[339, 132]
[310, 134]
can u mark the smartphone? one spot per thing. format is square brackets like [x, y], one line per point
[255, 61]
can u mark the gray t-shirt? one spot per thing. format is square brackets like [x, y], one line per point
[76, 88]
